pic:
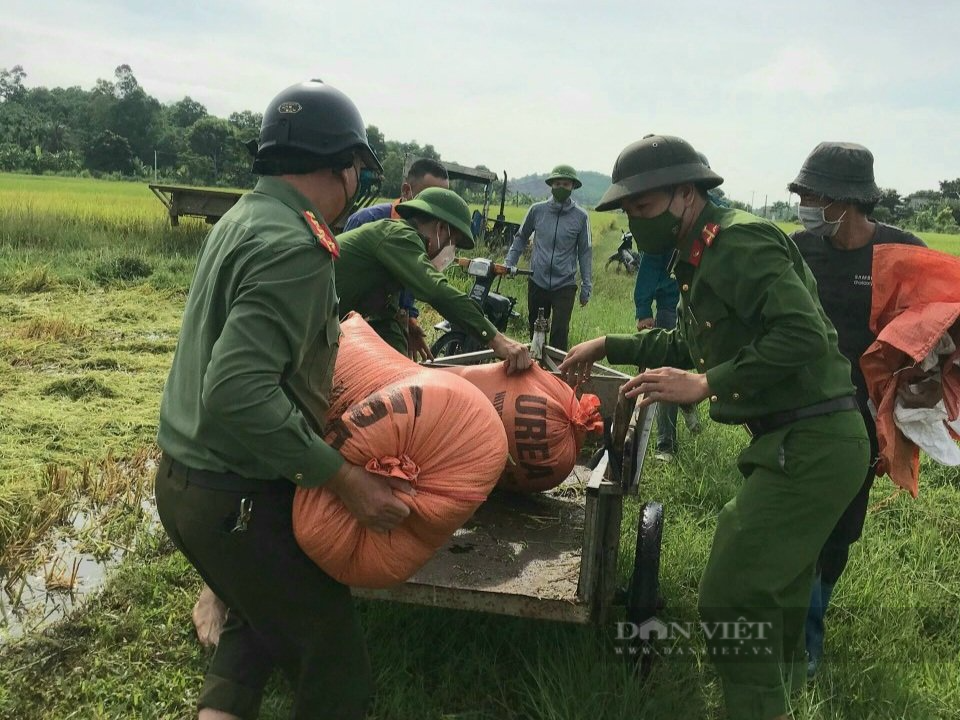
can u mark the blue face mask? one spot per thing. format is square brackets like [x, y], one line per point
[366, 180]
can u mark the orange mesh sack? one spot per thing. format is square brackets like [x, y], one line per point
[545, 422]
[433, 429]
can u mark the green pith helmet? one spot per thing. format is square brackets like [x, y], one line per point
[839, 171]
[656, 162]
[315, 118]
[564, 172]
[444, 205]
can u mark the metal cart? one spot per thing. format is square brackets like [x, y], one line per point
[553, 555]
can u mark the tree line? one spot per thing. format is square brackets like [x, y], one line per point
[116, 129]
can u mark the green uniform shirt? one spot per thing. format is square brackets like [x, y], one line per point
[379, 258]
[749, 318]
[249, 385]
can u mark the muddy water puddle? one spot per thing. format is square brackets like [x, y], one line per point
[71, 565]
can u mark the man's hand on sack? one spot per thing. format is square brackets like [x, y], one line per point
[644, 324]
[371, 498]
[417, 341]
[515, 355]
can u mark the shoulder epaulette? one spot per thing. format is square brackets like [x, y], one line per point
[322, 233]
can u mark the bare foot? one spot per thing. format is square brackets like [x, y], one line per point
[208, 616]
[208, 714]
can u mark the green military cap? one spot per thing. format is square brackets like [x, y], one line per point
[444, 205]
[839, 171]
[655, 162]
[564, 172]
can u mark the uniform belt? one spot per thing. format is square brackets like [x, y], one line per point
[224, 481]
[774, 421]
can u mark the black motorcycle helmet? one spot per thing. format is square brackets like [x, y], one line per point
[655, 162]
[314, 120]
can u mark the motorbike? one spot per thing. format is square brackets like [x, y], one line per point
[625, 257]
[497, 308]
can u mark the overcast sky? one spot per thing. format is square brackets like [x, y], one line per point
[522, 86]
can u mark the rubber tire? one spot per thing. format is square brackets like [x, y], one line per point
[450, 343]
[643, 591]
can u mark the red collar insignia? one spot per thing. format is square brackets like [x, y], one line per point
[696, 253]
[707, 236]
[323, 234]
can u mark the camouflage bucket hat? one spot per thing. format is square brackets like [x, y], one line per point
[444, 205]
[838, 171]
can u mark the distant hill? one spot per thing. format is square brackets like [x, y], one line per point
[594, 185]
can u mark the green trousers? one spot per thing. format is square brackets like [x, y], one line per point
[283, 611]
[755, 590]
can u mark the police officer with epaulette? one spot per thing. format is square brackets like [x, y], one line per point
[242, 412]
[762, 350]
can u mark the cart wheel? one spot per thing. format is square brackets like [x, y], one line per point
[450, 343]
[642, 594]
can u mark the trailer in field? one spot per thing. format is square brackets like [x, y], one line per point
[553, 556]
[206, 203]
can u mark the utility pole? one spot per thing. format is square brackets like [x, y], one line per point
[765, 205]
[154, 165]
[752, 206]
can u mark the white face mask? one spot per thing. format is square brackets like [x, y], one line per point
[443, 258]
[814, 221]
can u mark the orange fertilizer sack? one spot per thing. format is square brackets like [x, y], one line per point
[433, 429]
[545, 422]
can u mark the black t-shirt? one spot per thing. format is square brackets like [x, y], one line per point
[845, 283]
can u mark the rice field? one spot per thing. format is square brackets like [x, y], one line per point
[92, 285]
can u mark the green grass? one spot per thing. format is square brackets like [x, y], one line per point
[92, 283]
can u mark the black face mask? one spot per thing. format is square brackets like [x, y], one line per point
[657, 235]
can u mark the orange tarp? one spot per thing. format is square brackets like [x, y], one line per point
[916, 300]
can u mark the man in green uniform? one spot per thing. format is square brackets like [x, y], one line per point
[243, 408]
[765, 355]
[380, 258]
[423, 173]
